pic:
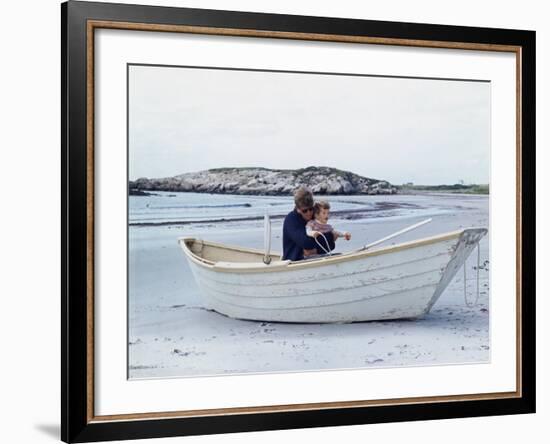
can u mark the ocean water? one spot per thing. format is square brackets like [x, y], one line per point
[168, 208]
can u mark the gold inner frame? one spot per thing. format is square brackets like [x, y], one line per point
[94, 24]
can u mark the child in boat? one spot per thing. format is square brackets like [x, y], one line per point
[319, 225]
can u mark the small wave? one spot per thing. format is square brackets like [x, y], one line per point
[383, 209]
[152, 223]
[177, 207]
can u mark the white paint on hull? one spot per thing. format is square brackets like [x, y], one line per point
[401, 281]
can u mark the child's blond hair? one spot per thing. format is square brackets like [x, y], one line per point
[321, 205]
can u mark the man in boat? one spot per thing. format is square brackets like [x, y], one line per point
[295, 239]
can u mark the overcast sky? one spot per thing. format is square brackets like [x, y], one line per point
[402, 130]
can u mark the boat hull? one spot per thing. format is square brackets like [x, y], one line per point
[396, 282]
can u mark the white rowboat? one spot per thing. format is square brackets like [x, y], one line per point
[392, 282]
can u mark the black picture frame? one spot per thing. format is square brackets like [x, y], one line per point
[77, 423]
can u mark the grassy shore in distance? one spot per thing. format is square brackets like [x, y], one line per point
[455, 188]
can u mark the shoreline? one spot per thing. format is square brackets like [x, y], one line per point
[382, 206]
[375, 208]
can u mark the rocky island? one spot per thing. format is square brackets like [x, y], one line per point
[265, 182]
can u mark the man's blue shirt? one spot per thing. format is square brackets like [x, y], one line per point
[295, 239]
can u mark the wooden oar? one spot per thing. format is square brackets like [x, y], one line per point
[397, 233]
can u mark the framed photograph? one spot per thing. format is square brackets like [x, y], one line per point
[275, 221]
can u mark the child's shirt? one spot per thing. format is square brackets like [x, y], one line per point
[315, 225]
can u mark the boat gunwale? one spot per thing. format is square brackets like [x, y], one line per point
[318, 278]
[299, 265]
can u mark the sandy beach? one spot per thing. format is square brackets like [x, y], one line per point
[172, 335]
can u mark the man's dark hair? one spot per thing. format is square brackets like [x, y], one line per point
[303, 198]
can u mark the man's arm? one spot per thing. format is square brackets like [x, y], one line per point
[297, 233]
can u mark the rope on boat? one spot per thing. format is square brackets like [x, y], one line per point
[322, 247]
[477, 281]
